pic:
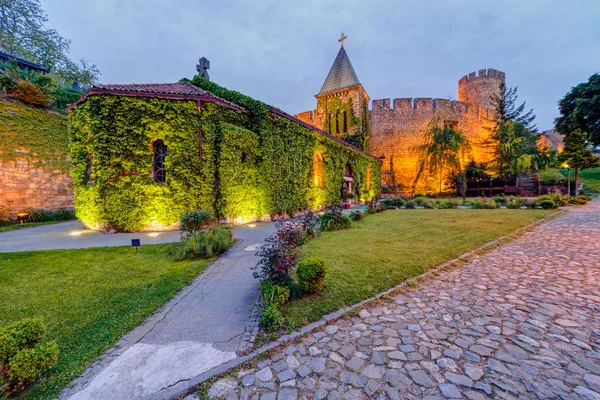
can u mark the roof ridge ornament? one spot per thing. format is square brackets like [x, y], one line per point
[342, 38]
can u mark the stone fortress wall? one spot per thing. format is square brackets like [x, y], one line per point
[24, 184]
[397, 130]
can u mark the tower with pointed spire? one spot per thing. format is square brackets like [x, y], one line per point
[342, 103]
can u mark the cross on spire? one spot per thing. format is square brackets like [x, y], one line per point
[342, 38]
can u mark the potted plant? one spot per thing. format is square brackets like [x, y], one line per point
[349, 198]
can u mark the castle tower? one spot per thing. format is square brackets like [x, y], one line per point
[478, 88]
[342, 103]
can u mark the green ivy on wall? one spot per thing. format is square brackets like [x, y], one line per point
[115, 135]
[238, 164]
[34, 134]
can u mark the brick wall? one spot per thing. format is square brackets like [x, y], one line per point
[25, 184]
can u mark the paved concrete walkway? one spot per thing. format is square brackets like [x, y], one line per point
[71, 235]
[202, 327]
[521, 321]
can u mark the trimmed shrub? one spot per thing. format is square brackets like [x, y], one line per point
[393, 203]
[409, 204]
[194, 221]
[374, 207]
[446, 204]
[490, 205]
[501, 200]
[477, 204]
[311, 274]
[547, 204]
[206, 244]
[356, 215]
[22, 360]
[579, 200]
[333, 219]
[420, 201]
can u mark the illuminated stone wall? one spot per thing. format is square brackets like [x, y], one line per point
[24, 184]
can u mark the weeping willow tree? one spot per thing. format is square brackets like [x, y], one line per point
[443, 149]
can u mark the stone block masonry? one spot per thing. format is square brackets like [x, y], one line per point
[24, 183]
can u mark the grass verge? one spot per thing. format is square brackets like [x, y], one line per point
[589, 177]
[17, 226]
[88, 299]
[385, 249]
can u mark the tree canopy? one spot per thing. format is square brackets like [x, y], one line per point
[505, 106]
[23, 34]
[578, 154]
[580, 109]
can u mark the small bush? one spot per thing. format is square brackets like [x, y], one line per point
[532, 204]
[477, 204]
[333, 219]
[22, 359]
[501, 200]
[291, 233]
[409, 204]
[579, 200]
[446, 204]
[393, 203]
[374, 207]
[546, 204]
[31, 94]
[490, 205]
[206, 244]
[420, 201]
[356, 215]
[311, 274]
[310, 224]
[194, 221]
[552, 177]
[513, 202]
[273, 298]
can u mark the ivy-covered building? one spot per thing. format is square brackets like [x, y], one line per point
[144, 154]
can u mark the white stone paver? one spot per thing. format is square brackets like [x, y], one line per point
[521, 321]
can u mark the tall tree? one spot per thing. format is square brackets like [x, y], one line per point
[23, 34]
[516, 148]
[578, 154]
[580, 109]
[504, 104]
[443, 148]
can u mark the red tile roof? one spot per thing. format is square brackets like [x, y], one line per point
[179, 88]
[176, 91]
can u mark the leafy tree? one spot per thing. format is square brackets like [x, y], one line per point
[578, 154]
[580, 109]
[23, 34]
[443, 148]
[505, 106]
[516, 148]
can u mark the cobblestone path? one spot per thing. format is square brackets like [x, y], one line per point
[521, 321]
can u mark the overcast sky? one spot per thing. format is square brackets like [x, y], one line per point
[281, 51]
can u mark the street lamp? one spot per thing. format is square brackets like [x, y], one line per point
[568, 179]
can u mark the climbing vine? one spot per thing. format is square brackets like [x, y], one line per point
[240, 165]
[37, 135]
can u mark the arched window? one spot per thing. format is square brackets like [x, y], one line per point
[345, 123]
[337, 122]
[318, 174]
[160, 152]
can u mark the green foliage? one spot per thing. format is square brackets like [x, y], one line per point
[515, 149]
[333, 219]
[513, 202]
[208, 243]
[551, 177]
[420, 201]
[393, 203]
[505, 106]
[114, 135]
[557, 199]
[273, 298]
[356, 215]
[39, 215]
[22, 358]
[194, 221]
[445, 204]
[311, 274]
[442, 149]
[63, 97]
[23, 34]
[547, 204]
[36, 135]
[580, 109]
[579, 154]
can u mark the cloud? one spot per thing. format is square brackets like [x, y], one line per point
[281, 51]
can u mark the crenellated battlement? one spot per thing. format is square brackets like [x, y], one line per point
[422, 106]
[482, 73]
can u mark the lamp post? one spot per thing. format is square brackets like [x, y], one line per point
[568, 180]
[22, 216]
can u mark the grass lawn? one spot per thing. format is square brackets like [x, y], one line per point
[17, 226]
[88, 298]
[589, 177]
[385, 249]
